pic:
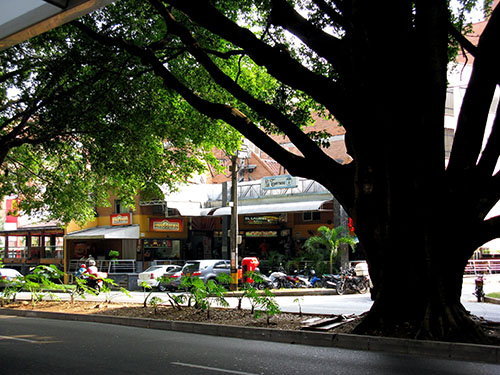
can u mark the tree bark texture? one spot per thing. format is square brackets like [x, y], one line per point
[418, 222]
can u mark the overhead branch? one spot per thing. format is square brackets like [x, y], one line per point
[325, 45]
[229, 114]
[225, 55]
[277, 62]
[305, 144]
[335, 16]
[473, 116]
[490, 229]
[491, 152]
[465, 43]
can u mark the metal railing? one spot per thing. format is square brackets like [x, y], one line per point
[109, 266]
[481, 266]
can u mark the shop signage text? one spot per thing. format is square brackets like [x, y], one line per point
[278, 182]
[262, 233]
[165, 225]
[121, 219]
[267, 219]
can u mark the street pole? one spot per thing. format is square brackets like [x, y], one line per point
[225, 224]
[234, 222]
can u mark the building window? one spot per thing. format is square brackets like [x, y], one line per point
[54, 247]
[120, 208]
[17, 247]
[449, 102]
[311, 216]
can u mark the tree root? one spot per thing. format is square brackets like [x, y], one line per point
[438, 323]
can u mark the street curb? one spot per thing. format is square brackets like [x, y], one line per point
[436, 349]
[496, 301]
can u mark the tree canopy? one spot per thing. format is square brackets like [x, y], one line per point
[379, 69]
[76, 124]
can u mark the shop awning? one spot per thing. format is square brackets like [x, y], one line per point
[185, 208]
[106, 232]
[276, 208]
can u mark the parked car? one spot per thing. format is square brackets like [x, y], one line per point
[7, 275]
[174, 281]
[205, 269]
[153, 273]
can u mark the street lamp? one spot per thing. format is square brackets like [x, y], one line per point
[244, 153]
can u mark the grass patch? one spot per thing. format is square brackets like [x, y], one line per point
[494, 295]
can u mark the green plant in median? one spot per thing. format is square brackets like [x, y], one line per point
[10, 290]
[107, 283]
[155, 301]
[40, 282]
[202, 293]
[298, 300]
[269, 304]
[144, 285]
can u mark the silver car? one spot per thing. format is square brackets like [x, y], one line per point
[207, 269]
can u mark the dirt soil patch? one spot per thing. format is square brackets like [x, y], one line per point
[284, 321]
[235, 317]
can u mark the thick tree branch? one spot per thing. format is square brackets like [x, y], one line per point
[476, 104]
[230, 115]
[335, 16]
[490, 229]
[461, 39]
[491, 152]
[278, 63]
[307, 146]
[325, 45]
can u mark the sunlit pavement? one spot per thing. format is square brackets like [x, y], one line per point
[319, 304]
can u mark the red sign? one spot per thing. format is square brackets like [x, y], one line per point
[121, 219]
[11, 206]
[165, 225]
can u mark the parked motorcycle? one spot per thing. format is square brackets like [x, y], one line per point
[349, 280]
[314, 280]
[479, 292]
[261, 281]
[301, 280]
[330, 280]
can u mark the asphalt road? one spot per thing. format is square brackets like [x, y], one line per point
[44, 346]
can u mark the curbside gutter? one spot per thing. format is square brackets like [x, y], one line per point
[436, 349]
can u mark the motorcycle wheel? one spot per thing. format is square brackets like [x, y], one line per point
[363, 287]
[259, 286]
[340, 287]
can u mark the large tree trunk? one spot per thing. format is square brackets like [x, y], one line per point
[416, 247]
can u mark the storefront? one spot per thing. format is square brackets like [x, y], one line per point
[97, 242]
[165, 240]
[28, 247]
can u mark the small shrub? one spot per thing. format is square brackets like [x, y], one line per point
[269, 304]
[155, 301]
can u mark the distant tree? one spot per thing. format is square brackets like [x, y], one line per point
[330, 240]
[76, 125]
[379, 69]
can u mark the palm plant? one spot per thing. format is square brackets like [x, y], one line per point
[330, 239]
